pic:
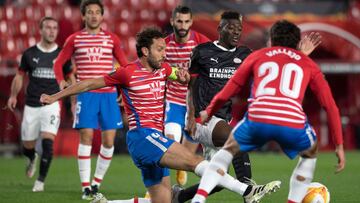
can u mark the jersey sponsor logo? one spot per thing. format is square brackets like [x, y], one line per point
[237, 60]
[94, 54]
[36, 60]
[43, 72]
[214, 59]
[155, 88]
[221, 73]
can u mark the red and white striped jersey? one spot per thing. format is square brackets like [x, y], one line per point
[143, 93]
[178, 55]
[281, 76]
[93, 55]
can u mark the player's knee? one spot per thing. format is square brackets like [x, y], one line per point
[108, 143]
[47, 145]
[193, 162]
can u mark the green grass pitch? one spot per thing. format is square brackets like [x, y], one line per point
[123, 179]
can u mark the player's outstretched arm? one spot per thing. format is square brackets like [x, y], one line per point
[341, 158]
[77, 88]
[309, 43]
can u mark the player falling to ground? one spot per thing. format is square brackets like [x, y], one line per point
[39, 122]
[143, 88]
[281, 75]
[93, 50]
[179, 46]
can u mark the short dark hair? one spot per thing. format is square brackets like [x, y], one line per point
[181, 9]
[145, 39]
[42, 20]
[85, 3]
[285, 33]
[229, 15]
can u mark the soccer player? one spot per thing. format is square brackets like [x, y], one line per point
[143, 87]
[39, 121]
[212, 65]
[179, 46]
[281, 75]
[93, 50]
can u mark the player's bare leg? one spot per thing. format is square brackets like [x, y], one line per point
[218, 166]
[161, 193]
[302, 175]
[104, 159]
[190, 162]
[84, 160]
[29, 152]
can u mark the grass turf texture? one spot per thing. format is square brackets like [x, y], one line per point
[123, 179]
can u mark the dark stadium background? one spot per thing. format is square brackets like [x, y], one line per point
[339, 54]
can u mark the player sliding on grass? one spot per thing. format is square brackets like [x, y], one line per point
[281, 75]
[142, 85]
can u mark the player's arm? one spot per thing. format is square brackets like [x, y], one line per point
[309, 43]
[16, 86]
[83, 86]
[18, 81]
[194, 70]
[321, 89]
[64, 55]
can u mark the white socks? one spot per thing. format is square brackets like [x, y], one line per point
[212, 177]
[102, 165]
[298, 188]
[84, 162]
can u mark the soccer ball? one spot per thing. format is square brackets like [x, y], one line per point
[317, 193]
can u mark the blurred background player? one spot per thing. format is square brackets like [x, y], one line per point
[93, 50]
[179, 46]
[39, 122]
[281, 75]
[143, 88]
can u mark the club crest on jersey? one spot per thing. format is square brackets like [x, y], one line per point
[94, 54]
[155, 88]
[237, 60]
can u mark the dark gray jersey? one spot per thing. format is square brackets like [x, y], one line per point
[39, 67]
[214, 65]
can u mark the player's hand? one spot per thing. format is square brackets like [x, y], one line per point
[46, 99]
[183, 76]
[63, 84]
[11, 104]
[309, 43]
[341, 158]
[203, 117]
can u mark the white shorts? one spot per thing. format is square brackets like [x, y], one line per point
[203, 133]
[40, 119]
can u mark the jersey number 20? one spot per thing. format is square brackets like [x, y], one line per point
[289, 71]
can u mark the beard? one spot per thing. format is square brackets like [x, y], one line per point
[153, 63]
[177, 32]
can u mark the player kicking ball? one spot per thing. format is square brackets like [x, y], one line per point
[142, 86]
